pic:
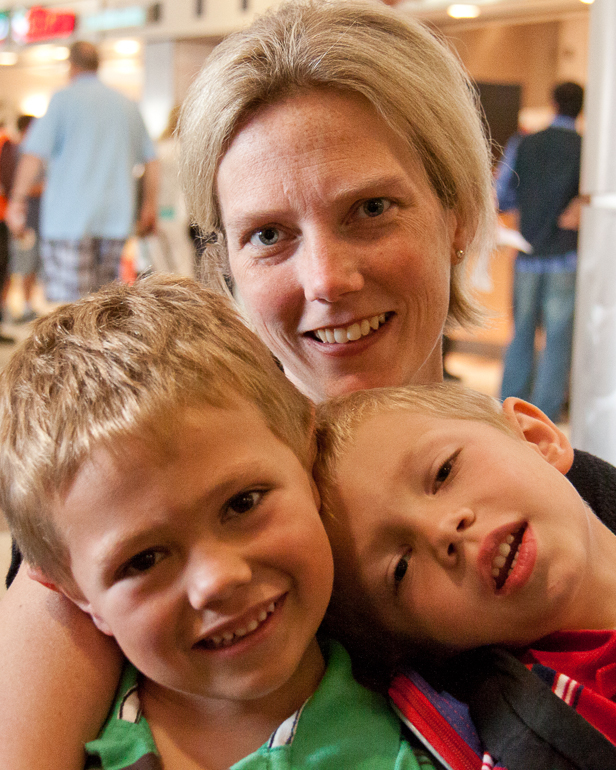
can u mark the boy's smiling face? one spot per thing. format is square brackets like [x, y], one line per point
[207, 560]
[453, 532]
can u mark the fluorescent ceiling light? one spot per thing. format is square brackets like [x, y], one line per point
[126, 47]
[462, 11]
[8, 58]
[35, 104]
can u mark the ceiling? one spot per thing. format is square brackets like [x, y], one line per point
[491, 10]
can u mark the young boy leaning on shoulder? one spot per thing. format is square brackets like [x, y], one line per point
[454, 528]
[154, 467]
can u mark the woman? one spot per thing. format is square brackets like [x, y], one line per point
[303, 131]
[336, 152]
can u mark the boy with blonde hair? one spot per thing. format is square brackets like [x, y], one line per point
[453, 528]
[154, 468]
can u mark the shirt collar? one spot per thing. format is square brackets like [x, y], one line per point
[563, 121]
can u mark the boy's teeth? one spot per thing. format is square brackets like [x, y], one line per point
[341, 335]
[228, 637]
[503, 557]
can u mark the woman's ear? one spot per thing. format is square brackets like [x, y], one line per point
[458, 238]
[531, 424]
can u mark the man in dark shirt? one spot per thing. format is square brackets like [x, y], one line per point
[545, 186]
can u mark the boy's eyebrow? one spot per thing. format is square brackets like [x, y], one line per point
[409, 459]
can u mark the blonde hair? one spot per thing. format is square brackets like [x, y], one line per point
[116, 363]
[337, 420]
[413, 81]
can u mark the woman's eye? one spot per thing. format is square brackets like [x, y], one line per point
[401, 568]
[244, 502]
[374, 207]
[266, 236]
[142, 562]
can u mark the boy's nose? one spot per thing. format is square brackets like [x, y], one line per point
[446, 534]
[328, 268]
[213, 574]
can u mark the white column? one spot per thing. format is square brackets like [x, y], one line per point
[593, 391]
[158, 84]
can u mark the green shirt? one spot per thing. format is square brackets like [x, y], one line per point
[342, 726]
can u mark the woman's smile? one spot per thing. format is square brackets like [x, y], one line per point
[340, 335]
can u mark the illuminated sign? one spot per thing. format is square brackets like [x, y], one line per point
[5, 26]
[115, 18]
[37, 24]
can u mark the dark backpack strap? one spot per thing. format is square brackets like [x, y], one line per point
[521, 722]
[15, 563]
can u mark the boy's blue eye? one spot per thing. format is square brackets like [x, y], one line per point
[401, 568]
[244, 502]
[445, 470]
[142, 562]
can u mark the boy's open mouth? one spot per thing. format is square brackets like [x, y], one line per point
[233, 635]
[340, 335]
[506, 557]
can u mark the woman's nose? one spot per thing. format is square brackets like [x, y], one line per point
[329, 269]
[213, 574]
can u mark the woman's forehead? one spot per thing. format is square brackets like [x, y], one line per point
[333, 141]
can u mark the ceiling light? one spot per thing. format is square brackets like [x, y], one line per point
[61, 53]
[127, 47]
[461, 11]
[34, 104]
[8, 58]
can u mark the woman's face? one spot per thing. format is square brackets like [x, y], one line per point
[339, 248]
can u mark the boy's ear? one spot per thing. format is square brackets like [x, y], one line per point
[36, 573]
[531, 424]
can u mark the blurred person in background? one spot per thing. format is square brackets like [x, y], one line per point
[24, 252]
[544, 190]
[88, 142]
[5, 150]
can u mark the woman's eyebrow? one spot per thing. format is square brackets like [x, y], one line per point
[368, 186]
[362, 187]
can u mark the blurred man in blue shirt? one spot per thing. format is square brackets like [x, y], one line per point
[89, 142]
